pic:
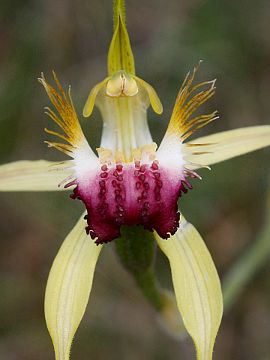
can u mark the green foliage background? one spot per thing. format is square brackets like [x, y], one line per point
[228, 206]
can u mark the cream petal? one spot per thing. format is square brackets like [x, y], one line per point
[68, 288]
[226, 145]
[125, 126]
[38, 175]
[197, 286]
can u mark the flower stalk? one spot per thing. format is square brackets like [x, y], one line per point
[248, 264]
[136, 251]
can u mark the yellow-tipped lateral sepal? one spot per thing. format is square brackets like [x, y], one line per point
[196, 285]
[188, 101]
[120, 55]
[65, 117]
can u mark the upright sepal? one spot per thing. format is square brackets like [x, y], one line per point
[120, 55]
[197, 286]
[68, 288]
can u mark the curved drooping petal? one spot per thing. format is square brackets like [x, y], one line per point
[38, 175]
[212, 149]
[197, 286]
[68, 288]
[153, 97]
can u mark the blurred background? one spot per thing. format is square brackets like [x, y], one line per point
[228, 206]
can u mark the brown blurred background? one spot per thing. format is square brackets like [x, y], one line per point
[228, 206]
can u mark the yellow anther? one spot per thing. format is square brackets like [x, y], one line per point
[150, 150]
[137, 154]
[105, 155]
[119, 157]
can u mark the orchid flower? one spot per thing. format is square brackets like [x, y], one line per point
[131, 181]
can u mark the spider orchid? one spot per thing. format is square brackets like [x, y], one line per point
[130, 182]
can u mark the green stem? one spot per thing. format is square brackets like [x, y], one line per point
[135, 249]
[150, 289]
[247, 266]
[119, 10]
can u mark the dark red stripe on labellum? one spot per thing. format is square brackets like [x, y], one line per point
[132, 194]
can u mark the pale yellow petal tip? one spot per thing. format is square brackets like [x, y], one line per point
[169, 317]
[90, 102]
[157, 106]
[155, 103]
[153, 96]
[88, 108]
